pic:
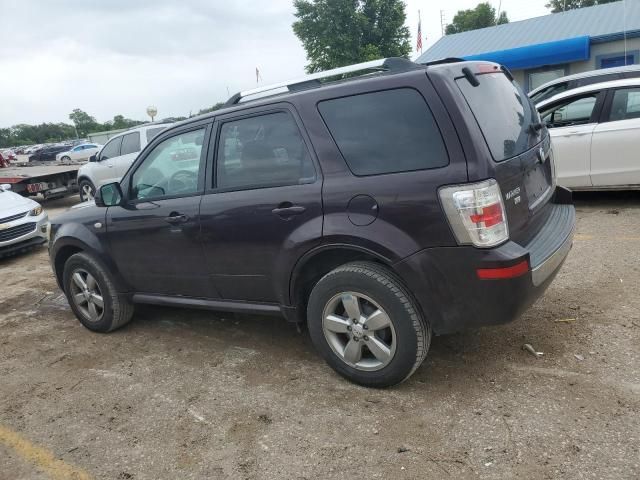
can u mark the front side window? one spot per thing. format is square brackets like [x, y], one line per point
[172, 168]
[262, 151]
[130, 143]
[385, 132]
[625, 105]
[111, 149]
[576, 111]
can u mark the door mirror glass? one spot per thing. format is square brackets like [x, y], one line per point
[93, 158]
[109, 195]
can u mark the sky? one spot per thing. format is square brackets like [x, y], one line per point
[111, 57]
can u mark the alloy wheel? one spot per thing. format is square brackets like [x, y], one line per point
[86, 295]
[359, 331]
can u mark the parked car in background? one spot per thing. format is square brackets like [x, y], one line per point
[79, 152]
[563, 84]
[356, 206]
[113, 160]
[46, 154]
[23, 222]
[596, 135]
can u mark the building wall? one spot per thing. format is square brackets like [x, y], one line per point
[604, 49]
[597, 50]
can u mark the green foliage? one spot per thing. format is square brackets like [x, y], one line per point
[83, 122]
[335, 33]
[215, 107]
[558, 6]
[484, 15]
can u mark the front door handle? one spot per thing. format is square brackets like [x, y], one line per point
[176, 218]
[288, 210]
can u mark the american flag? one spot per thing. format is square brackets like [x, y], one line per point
[419, 42]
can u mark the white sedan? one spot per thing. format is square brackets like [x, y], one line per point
[596, 135]
[23, 222]
[79, 153]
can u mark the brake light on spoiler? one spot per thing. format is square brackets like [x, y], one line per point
[476, 213]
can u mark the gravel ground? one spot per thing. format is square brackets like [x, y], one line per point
[193, 394]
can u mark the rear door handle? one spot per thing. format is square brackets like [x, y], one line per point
[176, 218]
[289, 210]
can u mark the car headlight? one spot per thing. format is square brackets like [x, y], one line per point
[36, 211]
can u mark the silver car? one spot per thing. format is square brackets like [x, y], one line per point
[23, 222]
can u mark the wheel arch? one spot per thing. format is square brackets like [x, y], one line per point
[317, 263]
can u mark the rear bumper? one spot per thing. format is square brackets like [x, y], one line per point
[446, 283]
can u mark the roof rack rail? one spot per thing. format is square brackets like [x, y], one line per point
[392, 64]
[442, 61]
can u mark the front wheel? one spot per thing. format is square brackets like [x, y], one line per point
[365, 324]
[87, 190]
[93, 296]
[65, 159]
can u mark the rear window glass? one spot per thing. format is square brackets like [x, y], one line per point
[385, 132]
[504, 113]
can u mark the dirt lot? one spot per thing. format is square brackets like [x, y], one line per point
[191, 394]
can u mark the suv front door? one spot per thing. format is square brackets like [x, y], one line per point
[571, 123]
[155, 236]
[263, 208]
[104, 170]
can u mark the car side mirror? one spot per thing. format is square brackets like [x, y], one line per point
[93, 158]
[109, 195]
[5, 187]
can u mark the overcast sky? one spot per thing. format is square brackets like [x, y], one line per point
[112, 57]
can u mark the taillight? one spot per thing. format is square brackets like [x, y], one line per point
[476, 213]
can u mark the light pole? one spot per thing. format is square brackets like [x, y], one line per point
[152, 112]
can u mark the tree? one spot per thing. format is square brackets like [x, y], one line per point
[558, 6]
[215, 107]
[335, 33]
[484, 15]
[84, 122]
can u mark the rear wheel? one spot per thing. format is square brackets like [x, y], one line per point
[87, 190]
[93, 296]
[367, 327]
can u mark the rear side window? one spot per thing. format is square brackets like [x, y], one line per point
[262, 151]
[385, 132]
[504, 114]
[626, 104]
[130, 143]
[111, 149]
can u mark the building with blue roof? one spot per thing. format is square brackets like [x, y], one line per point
[541, 49]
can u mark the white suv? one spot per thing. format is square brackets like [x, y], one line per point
[114, 159]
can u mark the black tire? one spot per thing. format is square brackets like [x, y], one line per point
[117, 310]
[85, 183]
[412, 331]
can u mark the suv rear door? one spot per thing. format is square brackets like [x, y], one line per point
[263, 208]
[490, 108]
[616, 140]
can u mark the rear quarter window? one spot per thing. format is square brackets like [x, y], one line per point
[385, 132]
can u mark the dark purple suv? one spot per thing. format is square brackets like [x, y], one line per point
[379, 209]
